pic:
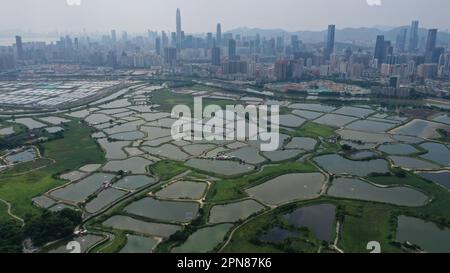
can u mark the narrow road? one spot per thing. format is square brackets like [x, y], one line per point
[336, 241]
[239, 226]
[8, 205]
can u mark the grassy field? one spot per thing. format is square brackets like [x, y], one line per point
[114, 246]
[200, 87]
[166, 169]
[73, 151]
[231, 189]
[240, 243]
[315, 130]
[365, 223]
[22, 168]
[4, 216]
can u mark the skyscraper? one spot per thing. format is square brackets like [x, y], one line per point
[215, 52]
[431, 44]
[19, 47]
[209, 39]
[158, 45]
[400, 44]
[431, 40]
[219, 34]
[380, 49]
[170, 56]
[414, 37]
[330, 41]
[173, 39]
[232, 49]
[280, 44]
[295, 43]
[179, 38]
[165, 39]
[113, 36]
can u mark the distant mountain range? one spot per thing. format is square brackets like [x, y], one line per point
[346, 35]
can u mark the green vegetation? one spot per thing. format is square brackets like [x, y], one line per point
[200, 87]
[363, 223]
[47, 227]
[114, 246]
[51, 226]
[4, 216]
[167, 169]
[10, 236]
[73, 151]
[315, 130]
[244, 239]
[231, 189]
[445, 135]
[21, 168]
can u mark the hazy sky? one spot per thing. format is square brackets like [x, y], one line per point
[202, 15]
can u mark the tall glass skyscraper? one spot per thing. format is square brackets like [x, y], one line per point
[380, 49]
[179, 38]
[219, 34]
[414, 37]
[430, 45]
[330, 40]
[400, 44]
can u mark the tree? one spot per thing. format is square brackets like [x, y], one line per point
[11, 237]
[52, 226]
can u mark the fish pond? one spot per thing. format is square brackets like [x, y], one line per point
[337, 164]
[164, 210]
[427, 235]
[233, 212]
[357, 189]
[288, 187]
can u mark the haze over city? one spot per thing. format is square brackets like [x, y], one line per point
[231, 126]
[200, 16]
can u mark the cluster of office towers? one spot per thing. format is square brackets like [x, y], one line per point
[384, 50]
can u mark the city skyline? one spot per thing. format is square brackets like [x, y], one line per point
[157, 16]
